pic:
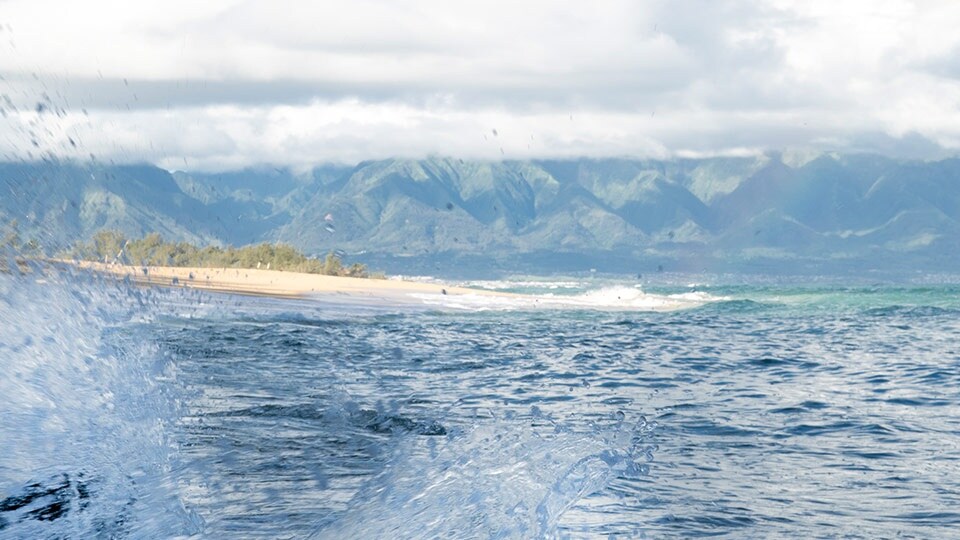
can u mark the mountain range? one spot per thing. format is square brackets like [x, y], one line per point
[775, 213]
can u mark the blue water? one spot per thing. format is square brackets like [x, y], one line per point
[770, 410]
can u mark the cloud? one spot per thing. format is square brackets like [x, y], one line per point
[230, 83]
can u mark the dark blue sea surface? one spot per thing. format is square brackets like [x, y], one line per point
[798, 411]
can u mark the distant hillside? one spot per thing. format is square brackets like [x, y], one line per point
[828, 214]
[57, 204]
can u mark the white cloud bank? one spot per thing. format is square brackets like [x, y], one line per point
[224, 84]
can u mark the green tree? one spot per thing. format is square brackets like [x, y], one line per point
[108, 245]
[332, 265]
[142, 251]
[357, 270]
[152, 249]
[11, 238]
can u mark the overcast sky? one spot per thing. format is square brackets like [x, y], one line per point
[222, 84]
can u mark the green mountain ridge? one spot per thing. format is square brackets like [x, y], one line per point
[829, 213]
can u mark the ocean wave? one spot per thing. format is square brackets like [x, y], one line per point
[84, 451]
[909, 311]
[742, 305]
[506, 478]
[500, 285]
[616, 298]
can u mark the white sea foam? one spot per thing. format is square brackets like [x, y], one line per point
[83, 413]
[415, 279]
[499, 285]
[617, 298]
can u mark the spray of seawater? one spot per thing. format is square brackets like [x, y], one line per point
[510, 477]
[87, 398]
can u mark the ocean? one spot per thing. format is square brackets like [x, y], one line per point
[764, 408]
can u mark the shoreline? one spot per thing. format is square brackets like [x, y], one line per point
[371, 291]
[277, 283]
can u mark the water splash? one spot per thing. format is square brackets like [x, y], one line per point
[86, 399]
[502, 478]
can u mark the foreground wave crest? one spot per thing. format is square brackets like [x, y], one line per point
[499, 479]
[85, 450]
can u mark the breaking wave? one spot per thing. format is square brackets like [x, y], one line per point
[617, 298]
[84, 450]
[497, 479]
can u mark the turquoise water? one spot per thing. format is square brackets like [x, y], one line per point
[763, 409]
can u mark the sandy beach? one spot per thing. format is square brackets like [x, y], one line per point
[282, 284]
[279, 283]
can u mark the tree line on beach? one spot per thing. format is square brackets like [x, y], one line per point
[11, 240]
[13, 248]
[152, 250]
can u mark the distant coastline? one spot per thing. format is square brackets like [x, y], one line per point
[274, 283]
[844, 215]
[108, 246]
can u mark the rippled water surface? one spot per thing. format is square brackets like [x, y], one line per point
[772, 411]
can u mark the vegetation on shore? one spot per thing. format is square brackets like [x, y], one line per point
[153, 250]
[11, 242]
[13, 249]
